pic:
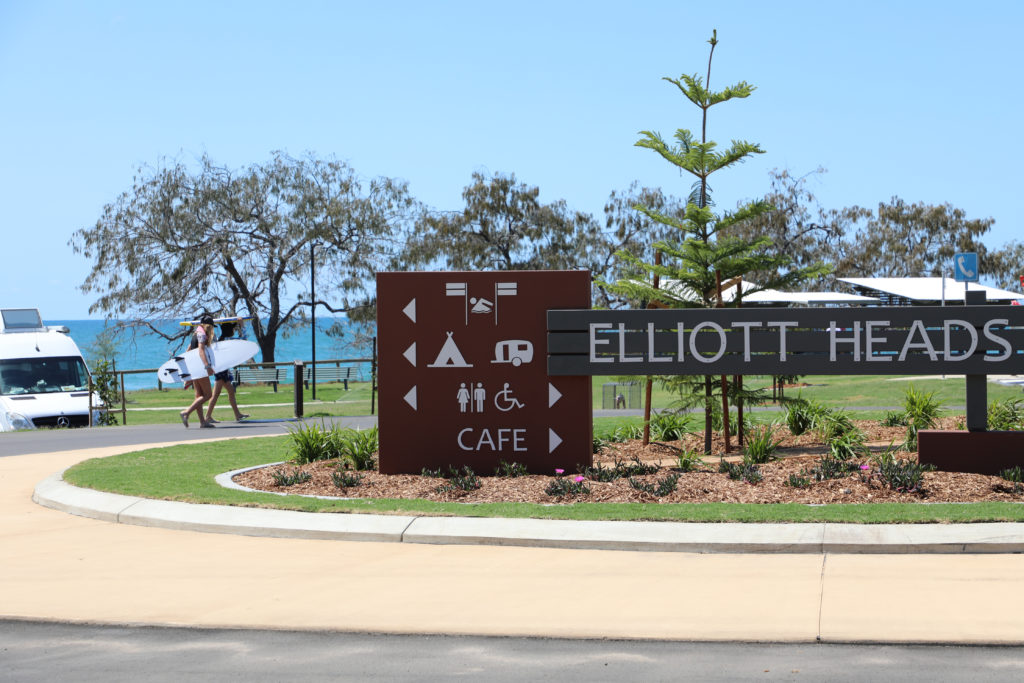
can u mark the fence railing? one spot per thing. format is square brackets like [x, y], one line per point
[288, 378]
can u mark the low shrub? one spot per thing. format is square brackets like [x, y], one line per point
[620, 470]
[748, 472]
[344, 479]
[508, 470]
[566, 486]
[848, 445]
[669, 426]
[798, 481]
[688, 461]
[628, 433]
[760, 444]
[665, 486]
[1006, 415]
[460, 480]
[829, 467]
[921, 410]
[283, 478]
[311, 442]
[802, 415]
[832, 424]
[894, 419]
[905, 476]
[356, 447]
[1015, 476]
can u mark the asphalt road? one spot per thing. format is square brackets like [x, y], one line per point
[32, 652]
[53, 440]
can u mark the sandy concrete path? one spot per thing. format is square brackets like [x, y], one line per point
[55, 566]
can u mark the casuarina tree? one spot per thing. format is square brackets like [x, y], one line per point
[186, 240]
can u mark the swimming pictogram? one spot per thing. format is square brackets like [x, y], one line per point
[478, 304]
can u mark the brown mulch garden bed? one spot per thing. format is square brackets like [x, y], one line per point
[797, 455]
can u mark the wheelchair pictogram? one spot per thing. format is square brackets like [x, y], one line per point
[505, 401]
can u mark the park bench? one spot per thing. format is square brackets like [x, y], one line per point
[328, 374]
[247, 374]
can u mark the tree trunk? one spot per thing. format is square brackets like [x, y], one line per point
[708, 414]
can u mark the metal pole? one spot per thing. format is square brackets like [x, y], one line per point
[298, 388]
[124, 403]
[646, 439]
[373, 378]
[976, 385]
[312, 299]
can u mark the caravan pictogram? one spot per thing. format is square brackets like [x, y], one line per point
[514, 351]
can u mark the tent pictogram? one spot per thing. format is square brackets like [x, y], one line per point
[449, 356]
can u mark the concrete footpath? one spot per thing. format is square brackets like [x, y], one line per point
[916, 583]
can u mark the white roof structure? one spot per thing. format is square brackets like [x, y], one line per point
[927, 288]
[774, 297]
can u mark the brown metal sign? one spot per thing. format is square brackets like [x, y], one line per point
[728, 341]
[463, 375]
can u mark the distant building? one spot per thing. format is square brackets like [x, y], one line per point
[924, 291]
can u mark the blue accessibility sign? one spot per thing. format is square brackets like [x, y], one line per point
[965, 267]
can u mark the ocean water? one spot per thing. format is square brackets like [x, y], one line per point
[149, 351]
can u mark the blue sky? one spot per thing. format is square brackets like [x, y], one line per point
[919, 100]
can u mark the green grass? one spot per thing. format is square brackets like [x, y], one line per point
[186, 473]
[153, 406]
[834, 391]
[837, 391]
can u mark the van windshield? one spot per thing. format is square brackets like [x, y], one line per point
[42, 375]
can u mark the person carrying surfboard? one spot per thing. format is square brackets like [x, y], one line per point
[224, 381]
[202, 338]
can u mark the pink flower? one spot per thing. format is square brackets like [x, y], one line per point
[578, 479]
[865, 467]
[559, 471]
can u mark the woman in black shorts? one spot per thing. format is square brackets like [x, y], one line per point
[225, 381]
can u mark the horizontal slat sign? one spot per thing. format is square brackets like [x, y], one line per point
[973, 340]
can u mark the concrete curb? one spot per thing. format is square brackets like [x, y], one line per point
[55, 493]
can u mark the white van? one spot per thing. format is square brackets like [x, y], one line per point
[44, 381]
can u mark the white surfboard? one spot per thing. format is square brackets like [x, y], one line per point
[222, 355]
[217, 321]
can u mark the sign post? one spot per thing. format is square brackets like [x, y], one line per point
[463, 375]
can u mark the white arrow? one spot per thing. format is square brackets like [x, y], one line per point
[410, 310]
[553, 394]
[553, 440]
[410, 397]
[410, 354]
